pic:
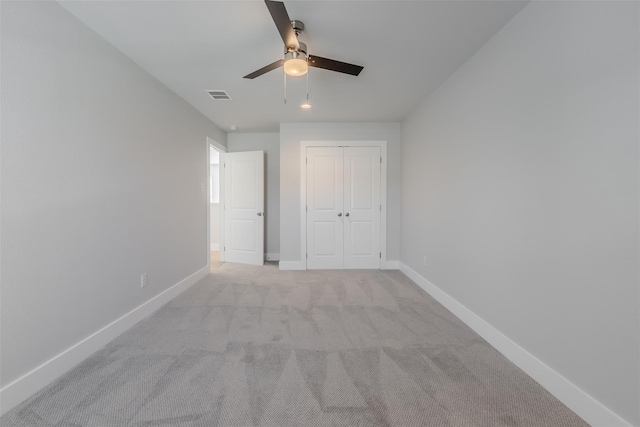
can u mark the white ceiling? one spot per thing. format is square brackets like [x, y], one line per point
[407, 49]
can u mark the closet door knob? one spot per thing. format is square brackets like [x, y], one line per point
[347, 214]
[259, 213]
[340, 214]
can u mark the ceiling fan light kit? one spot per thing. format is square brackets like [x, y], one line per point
[295, 63]
[295, 67]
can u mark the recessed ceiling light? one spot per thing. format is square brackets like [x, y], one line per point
[233, 127]
[305, 106]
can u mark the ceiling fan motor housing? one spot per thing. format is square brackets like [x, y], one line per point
[298, 26]
[300, 52]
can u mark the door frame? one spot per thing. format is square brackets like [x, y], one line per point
[222, 149]
[303, 193]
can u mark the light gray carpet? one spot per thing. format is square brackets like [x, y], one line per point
[257, 346]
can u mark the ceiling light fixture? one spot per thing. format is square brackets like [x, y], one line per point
[295, 67]
[295, 61]
[296, 56]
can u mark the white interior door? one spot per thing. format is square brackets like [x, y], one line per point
[362, 207]
[325, 225]
[343, 207]
[244, 207]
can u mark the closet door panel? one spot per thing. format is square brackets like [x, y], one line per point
[362, 207]
[325, 202]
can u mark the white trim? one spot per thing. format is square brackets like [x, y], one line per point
[222, 204]
[303, 192]
[222, 149]
[208, 142]
[272, 256]
[215, 246]
[390, 265]
[292, 265]
[576, 399]
[17, 391]
[217, 145]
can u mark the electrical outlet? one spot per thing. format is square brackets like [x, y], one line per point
[144, 280]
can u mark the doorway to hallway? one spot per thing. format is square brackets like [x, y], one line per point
[215, 208]
[236, 206]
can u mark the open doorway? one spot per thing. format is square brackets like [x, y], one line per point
[215, 207]
[236, 206]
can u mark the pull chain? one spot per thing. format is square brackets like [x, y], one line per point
[307, 87]
[306, 105]
[285, 87]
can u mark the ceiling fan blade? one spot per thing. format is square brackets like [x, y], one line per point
[333, 65]
[265, 69]
[283, 23]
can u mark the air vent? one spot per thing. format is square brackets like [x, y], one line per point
[219, 95]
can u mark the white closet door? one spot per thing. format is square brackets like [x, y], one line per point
[343, 207]
[362, 207]
[244, 207]
[325, 220]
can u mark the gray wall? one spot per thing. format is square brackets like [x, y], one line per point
[520, 186]
[101, 172]
[270, 144]
[290, 136]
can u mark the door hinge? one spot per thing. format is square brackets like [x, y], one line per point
[307, 255]
[380, 160]
[380, 255]
[380, 208]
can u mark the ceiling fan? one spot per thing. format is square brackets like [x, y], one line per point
[296, 60]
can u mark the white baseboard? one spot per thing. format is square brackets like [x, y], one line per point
[591, 410]
[215, 247]
[298, 265]
[292, 265]
[272, 256]
[390, 265]
[17, 391]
